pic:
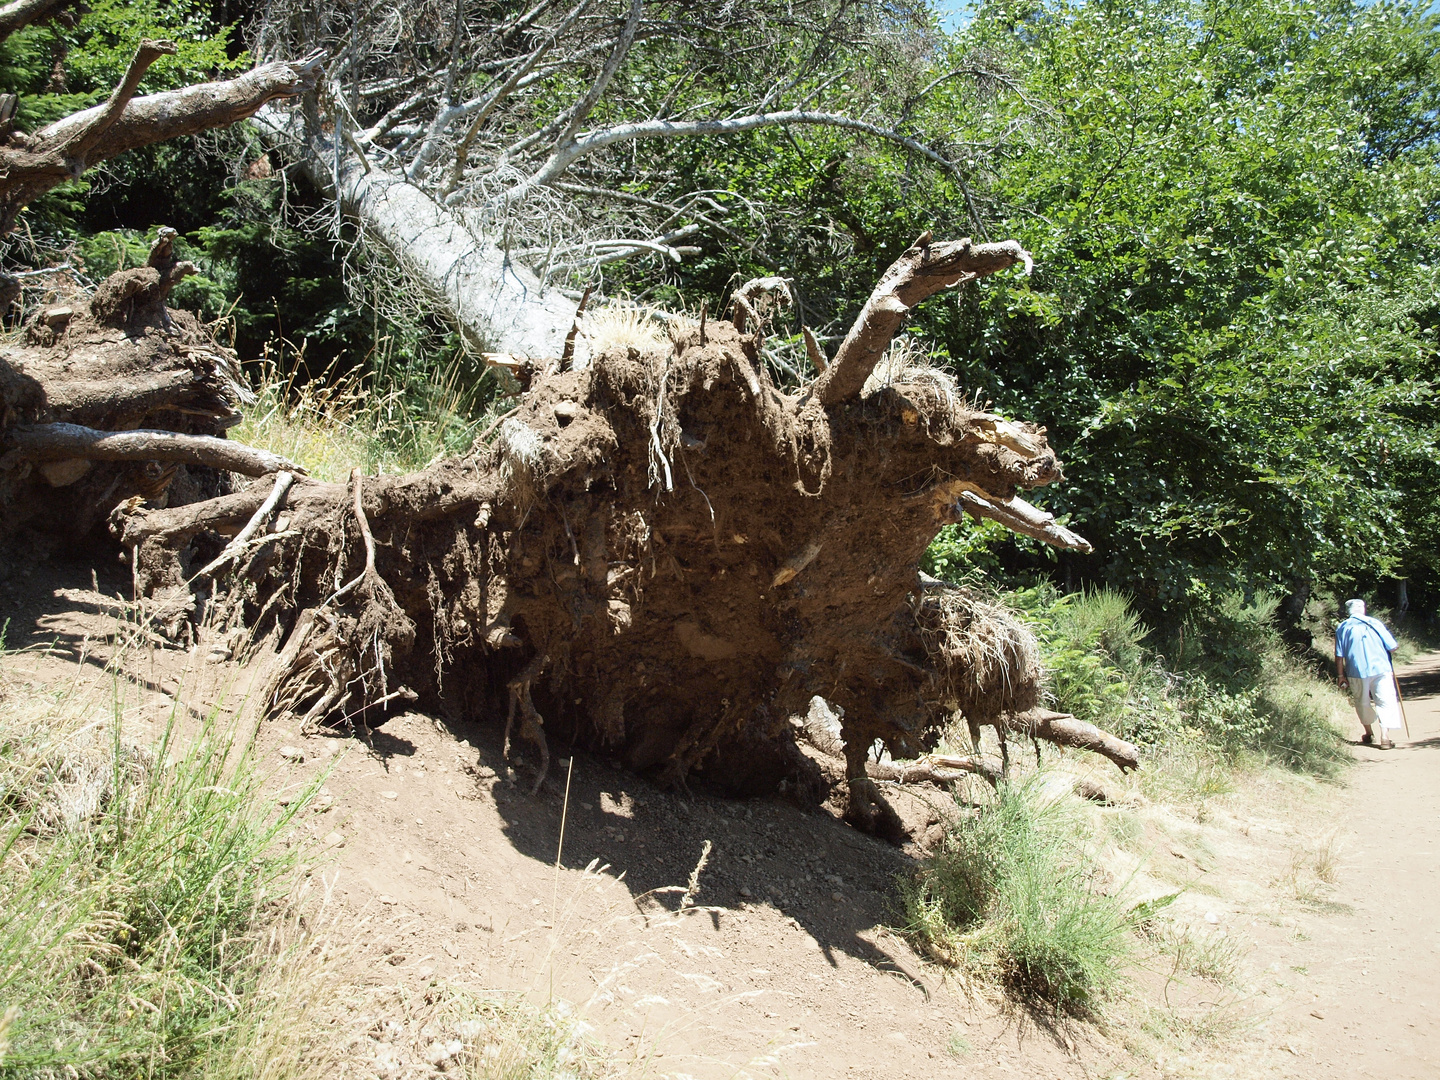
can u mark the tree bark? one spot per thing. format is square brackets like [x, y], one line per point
[31, 165]
[60, 442]
[497, 303]
[19, 14]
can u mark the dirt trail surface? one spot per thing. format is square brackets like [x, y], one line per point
[1368, 980]
[441, 869]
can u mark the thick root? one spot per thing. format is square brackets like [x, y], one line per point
[1062, 729]
[939, 769]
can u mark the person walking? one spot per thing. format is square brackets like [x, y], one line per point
[1362, 663]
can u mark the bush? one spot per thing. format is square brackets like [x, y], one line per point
[1225, 680]
[1014, 892]
[1097, 665]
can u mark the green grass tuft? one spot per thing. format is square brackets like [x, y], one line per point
[1014, 893]
[379, 424]
[133, 885]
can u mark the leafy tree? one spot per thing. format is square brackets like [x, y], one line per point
[1231, 331]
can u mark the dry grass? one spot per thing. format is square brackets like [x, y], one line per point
[334, 424]
[1212, 955]
[157, 918]
[1311, 869]
[909, 369]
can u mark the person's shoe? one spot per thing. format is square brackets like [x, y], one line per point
[1387, 745]
[1367, 739]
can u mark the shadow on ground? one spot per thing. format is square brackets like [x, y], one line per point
[834, 882]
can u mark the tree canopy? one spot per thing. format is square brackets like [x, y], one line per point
[1232, 330]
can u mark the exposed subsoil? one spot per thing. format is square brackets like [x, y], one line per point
[432, 848]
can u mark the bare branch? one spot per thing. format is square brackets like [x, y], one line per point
[566, 156]
[1019, 516]
[32, 165]
[22, 13]
[489, 104]
[1062, 729]
[581, 110]
[923, 270]
[170, 115]
[145, 55]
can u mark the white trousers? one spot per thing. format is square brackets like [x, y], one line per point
[1375, 700]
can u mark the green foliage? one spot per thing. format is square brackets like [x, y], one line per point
[1224, 681]
[965, 551]
[1015, 891]
[132, 881]
[1231, 333]
[1095, 664]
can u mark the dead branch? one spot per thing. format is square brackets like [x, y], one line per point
[33, 164]
[19, 14]
[79, 142]
[939, 769]
[61, 442]
[923, 270]
[813, 350]
[1020, 516]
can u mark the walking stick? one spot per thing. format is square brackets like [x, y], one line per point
[1399, 696]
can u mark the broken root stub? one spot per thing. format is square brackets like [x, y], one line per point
[661, 556]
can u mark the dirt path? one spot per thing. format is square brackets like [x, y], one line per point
[1367, 983]
[441, 868]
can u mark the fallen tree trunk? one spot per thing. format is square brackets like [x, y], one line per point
[495, 301]
[660, 555]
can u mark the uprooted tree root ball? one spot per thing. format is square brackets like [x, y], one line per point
[660, 556]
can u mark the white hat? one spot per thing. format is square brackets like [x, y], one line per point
[1354, 607]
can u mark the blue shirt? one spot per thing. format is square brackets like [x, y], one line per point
[1366, 646]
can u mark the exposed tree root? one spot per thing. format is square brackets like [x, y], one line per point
[1062, 729]
[661, 555]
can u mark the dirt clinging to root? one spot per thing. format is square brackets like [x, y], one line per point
[658, 554]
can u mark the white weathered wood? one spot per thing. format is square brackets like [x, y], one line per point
[497, 303]
[62, 442]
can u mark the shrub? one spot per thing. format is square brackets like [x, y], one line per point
[1097, 666]
[1015, 892]
[1225, 679]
